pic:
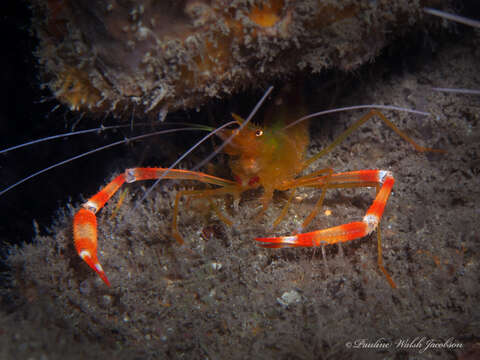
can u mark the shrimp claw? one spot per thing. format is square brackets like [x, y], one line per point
[85, 226]
[349, 231]
[85, 220]
[85, 237]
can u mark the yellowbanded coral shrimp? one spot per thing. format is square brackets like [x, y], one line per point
[271, 157]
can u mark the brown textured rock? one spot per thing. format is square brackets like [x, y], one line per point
[158, 56]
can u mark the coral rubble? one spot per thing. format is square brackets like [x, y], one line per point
[159, 56]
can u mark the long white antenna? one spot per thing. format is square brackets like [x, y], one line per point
[124, 141]
[347, 108]
[452, 17]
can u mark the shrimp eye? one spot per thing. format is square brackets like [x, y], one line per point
[259, 132]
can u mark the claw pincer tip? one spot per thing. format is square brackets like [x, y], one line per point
[85, 238]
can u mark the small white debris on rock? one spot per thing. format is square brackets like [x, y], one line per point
[216, 266]
[289, 298]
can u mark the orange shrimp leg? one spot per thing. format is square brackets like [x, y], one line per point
[85, 220]
[293, 185]
[370, 115]
[345, 232]
[197, 194]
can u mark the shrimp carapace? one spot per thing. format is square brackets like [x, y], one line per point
[268, 156]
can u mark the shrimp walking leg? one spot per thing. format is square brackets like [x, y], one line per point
[349, 231]
[370, 115]
[319, 203]
[85, 220]
[197, 194]
[294, 185]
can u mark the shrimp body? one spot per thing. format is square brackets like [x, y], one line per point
[271, 157]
